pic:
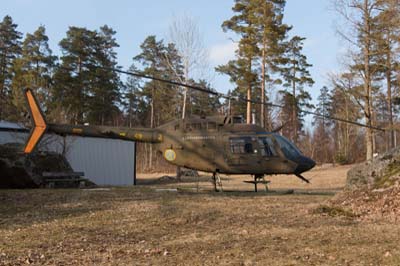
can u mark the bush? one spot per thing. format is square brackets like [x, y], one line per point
[341, 159]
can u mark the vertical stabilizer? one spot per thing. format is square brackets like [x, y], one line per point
[39, 123]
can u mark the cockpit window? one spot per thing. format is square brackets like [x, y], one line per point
[288, 148]
[267, 147]
[241, 145]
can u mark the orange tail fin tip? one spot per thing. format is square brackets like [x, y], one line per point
[39, 123]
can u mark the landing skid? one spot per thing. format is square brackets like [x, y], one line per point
[259, 179]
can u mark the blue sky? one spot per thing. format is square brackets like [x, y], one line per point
[134, 20]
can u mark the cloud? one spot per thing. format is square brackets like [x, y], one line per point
[223, 52]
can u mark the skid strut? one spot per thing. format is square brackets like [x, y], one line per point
[217, 182]
[259, 179]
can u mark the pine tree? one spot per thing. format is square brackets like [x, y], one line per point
[204, 104]
[104, 88]
[296, 76]
[271, 32]
[323, 108]
[10, 49]
[74, 74]
[133, 103]
[34, 69]
[159, 60]
[321, 139]
[241, 70]
[85, 84]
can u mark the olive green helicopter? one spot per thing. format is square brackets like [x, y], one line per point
[216, 144]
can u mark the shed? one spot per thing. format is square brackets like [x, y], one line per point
[104, 161]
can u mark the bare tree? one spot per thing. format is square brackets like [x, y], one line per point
[388, 43]
[359, 17]
[185, 34]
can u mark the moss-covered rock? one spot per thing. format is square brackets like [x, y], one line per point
[382, 172]
[19, 170]
[373, 189]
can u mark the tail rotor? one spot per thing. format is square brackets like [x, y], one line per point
[38, 120]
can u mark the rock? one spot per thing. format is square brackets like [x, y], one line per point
[189, 172]
[372, 191]
[382, 172]
[19, 170]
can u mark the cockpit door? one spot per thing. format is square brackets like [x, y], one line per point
[240, 150]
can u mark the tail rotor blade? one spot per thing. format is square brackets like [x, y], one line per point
[39, 123]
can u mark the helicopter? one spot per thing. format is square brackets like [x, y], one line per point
[215, 144]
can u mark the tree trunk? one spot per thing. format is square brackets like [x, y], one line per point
[185, 91]
[294, 111]
[262, 113]
[389, 95]
[347, 131]
[248, 113]
[367, 82]
[151, 126]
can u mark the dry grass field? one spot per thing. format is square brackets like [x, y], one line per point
[150, 225]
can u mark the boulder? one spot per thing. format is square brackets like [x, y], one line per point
[382, 172]
[372, 191]
[19, 170]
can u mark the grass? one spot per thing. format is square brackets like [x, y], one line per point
[334, 211]
[139, 226]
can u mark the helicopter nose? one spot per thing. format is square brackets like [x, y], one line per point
[304, 164]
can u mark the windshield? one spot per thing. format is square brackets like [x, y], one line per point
[288, 148]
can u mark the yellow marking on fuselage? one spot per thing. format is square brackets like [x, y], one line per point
[77, 130]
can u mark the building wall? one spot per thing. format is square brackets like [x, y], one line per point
[104, 161]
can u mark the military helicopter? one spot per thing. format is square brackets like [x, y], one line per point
[217, 144]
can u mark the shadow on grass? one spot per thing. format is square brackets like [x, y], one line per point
[20, 208]
[165, 180]
[252, 193]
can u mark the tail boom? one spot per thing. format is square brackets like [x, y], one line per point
[40, 127]
[129, 134]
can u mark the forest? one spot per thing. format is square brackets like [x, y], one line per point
[80, 86]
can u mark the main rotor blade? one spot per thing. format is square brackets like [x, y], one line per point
[198, 88]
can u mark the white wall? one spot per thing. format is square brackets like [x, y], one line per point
[104, 161]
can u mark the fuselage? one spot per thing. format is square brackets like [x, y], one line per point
[221, 145]
[213, 144]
